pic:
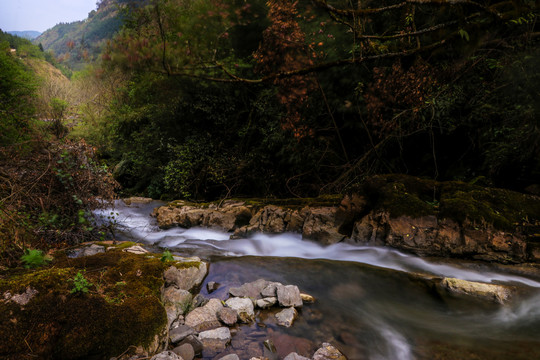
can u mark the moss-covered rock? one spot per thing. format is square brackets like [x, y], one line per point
[446, 218]
[119, 305]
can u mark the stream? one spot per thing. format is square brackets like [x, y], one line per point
[372, 303]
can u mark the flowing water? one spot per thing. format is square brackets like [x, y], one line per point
[372, 303]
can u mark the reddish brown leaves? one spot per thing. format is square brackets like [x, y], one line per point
[284, 49]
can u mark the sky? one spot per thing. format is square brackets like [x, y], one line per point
[40, 15]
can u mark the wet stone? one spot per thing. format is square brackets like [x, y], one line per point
[271, 290]
[185, 351]
[328, 352]
[228, 316]
[289, 295]
[295, 356]
[243, 307]
[266, 303]
[166, 355]
[205, 318]
[230, 357]
[212, 286]
[180, 333]
[195, 343]
[286, 317]
[215, 340]
[250, 290]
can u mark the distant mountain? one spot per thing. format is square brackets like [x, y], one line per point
[81, 42]
[29, 34]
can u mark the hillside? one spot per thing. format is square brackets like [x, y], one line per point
[80, 42]
[29, 34]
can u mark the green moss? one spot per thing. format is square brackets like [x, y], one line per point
[122, 308]
[415, 197]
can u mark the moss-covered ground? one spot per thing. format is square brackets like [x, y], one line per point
[118, 306]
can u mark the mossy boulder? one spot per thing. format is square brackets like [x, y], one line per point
[117, 306]
[445, 218]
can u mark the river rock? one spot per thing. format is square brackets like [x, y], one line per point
[228, 316]
[289, 295]
[286, 317]
[216, 339]
[212, 286]
[307, 298]
[271, 289]
[176, 302]
[137, 200]
[195, 343]
[230, 357]
[185, 351]
[328, 352]
[186, 278]
[250, 290]
[269, 350]
[243, 307]
[491, 292]
[266, 302]
[166, 355]
[179, 333]
[295, 356]
[320, 225]
[205, 317]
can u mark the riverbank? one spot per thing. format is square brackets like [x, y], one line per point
[424, 217]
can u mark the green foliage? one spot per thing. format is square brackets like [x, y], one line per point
[80, 284]
[167, 256]
[33, 258]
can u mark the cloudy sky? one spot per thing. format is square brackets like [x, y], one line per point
[40, 15]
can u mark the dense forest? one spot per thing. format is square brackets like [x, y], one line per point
[206, 100]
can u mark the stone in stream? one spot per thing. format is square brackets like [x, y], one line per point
[243, 307]
[270, 290]
[205, 317]
[228, 316]
[180, 333]
[166, 355]
[289, 295]
[195, 343]
[175, 301]
[185, 351]
[491, 292]
[215, 340]
[266, 302]
[137, 200]
[307, 298]
[286, 317]
[212, 286]
[250, 290]
[230, 357]
[186, 277]
[328, 352]
[269, 350]
[295, 356]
